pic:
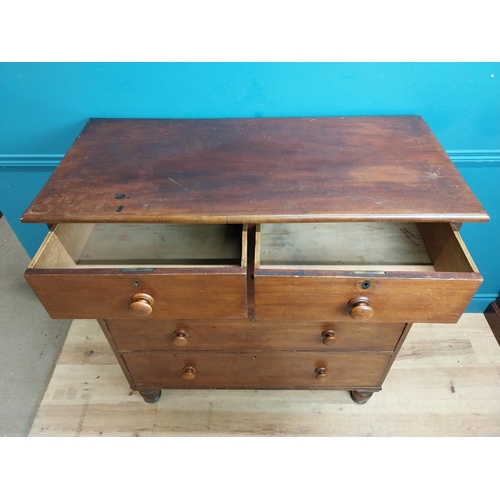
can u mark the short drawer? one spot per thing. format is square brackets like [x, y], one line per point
[376, 272]
[248, 335]
[257, 369]
[146, 270]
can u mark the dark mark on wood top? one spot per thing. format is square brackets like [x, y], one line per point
[256, 170]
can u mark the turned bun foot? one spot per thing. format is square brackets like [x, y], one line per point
[361, 397]
[151, 396]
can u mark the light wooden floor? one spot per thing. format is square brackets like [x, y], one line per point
[445, 382]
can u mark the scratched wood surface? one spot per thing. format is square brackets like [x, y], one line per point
[256, 170]
[135, 245]
[331, 244]
[445, 382]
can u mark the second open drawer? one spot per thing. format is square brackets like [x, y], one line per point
[378, 272]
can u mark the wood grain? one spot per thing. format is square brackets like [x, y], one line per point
[228, 172]
[97, 246]
[341, 245]
[107, 293]
[167, 244]
[248, 335]
[256, 170]
[443, 383]
[394, 297]
[398, 293]
[257, 369]
[446, 248]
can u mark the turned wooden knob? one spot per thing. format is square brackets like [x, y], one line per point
[188, 373]
[329, 337]
[142, 304]
[321, 374]
[361, 309]
[180, 338]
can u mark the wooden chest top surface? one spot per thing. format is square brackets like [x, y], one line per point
[256, 170]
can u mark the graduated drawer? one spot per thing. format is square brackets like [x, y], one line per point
[376, 272]
[245, 334]
[257, 369]
[148, 270]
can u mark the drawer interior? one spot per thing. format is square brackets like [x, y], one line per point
[371, 246]
[143, 246]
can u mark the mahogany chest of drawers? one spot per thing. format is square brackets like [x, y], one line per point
[255, 253]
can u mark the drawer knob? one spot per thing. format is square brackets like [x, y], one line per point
[321, 374]
[188, 373]
[180, 338]
[142, 304]
[329, 337]
[361, 309]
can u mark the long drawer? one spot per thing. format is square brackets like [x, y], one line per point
[147, 270]
[245, 334]
[375, 272]
[257, 369]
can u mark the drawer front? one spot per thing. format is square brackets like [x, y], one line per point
[258, 370]
[247, 335]
[85, 294]
[392, 298]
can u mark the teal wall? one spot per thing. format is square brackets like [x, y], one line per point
[43, 106]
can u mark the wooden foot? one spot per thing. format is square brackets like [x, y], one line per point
[361, 397]
[151, 396]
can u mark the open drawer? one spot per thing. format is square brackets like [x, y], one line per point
[379, 272]
[146, 270]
